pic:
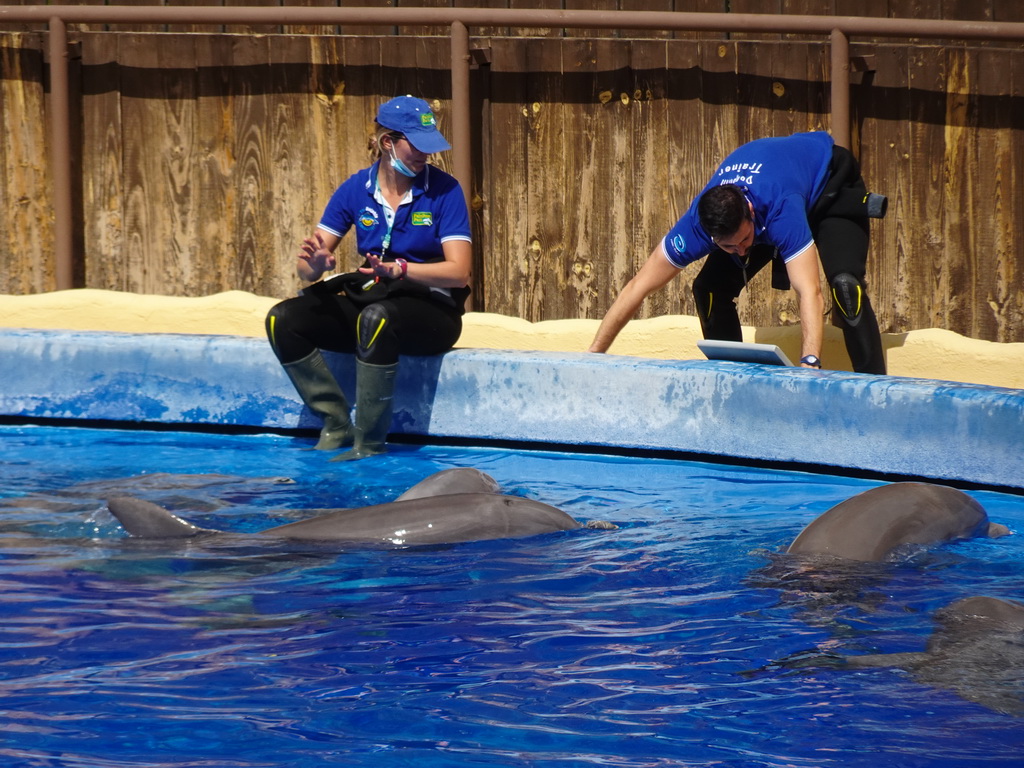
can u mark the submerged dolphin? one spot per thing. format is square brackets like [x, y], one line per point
[448, 507]
[870, 525]
[976, 651]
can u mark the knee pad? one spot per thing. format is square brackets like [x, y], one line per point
[286, 344]
[854, 202]
[270, 326]
[849, 296]
[375, 336]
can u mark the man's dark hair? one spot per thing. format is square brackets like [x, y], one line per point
[722, 210]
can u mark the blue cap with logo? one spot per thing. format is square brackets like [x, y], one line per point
[412, 118]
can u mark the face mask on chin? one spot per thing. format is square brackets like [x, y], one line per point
[401, 167]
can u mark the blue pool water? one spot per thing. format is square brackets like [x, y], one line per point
[657, 644]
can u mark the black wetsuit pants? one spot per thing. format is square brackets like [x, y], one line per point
[415, 325]
[840, 230]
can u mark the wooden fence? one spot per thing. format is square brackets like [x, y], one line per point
[206, 157]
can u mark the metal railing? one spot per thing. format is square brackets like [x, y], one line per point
[838, 29]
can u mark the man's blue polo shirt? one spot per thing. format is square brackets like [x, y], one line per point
[782, 178]
[437, 213]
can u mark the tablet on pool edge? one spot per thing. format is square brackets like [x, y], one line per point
[743, 352]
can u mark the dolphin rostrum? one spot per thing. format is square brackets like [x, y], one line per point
[451, 506]
[872, 524]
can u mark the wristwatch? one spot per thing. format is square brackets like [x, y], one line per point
[812, 360]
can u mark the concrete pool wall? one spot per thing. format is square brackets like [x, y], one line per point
[837, 420]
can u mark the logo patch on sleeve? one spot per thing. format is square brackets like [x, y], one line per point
[422, 219]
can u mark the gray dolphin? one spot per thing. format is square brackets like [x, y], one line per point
[456, 480]
[870, 525]
[448, 507]
[976, 651]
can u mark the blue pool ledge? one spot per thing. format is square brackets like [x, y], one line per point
[882, 424]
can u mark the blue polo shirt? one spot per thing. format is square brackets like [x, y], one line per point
[781, 177]
[436, 213]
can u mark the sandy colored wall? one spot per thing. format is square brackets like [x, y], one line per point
[929, 354]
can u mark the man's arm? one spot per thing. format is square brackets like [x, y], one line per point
[656, 273]
[803, 276]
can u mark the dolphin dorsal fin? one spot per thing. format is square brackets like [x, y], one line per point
[148, 520]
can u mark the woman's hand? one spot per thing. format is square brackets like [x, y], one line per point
[378, 268]
[316, 256]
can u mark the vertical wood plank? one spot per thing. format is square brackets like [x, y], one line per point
[291, 121]
[103, 195]
[597, 173]
[990, 215]
[1007, 10]
[251, 177]
[689, 164]
[215, 164]
[900, 261]
[433, 84]
[547, 121]
[928, 75]
[25, 203]
[652, 211]
[955, 287]
[790, 111]
[1012, 291]
[506, 196]
[158, 90]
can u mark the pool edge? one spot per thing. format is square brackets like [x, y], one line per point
[882, 424]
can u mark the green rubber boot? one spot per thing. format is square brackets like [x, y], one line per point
[319, 390]
[375, 387]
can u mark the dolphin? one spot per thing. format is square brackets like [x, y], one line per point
[871, 525]
[451, 506]
[976, 651]
[448, 481]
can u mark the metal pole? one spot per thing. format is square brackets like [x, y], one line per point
[462, 156]
[510, 17]
[60, 154]
[841, 88]
[462, 159]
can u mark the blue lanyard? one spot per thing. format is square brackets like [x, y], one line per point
[386, 242]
